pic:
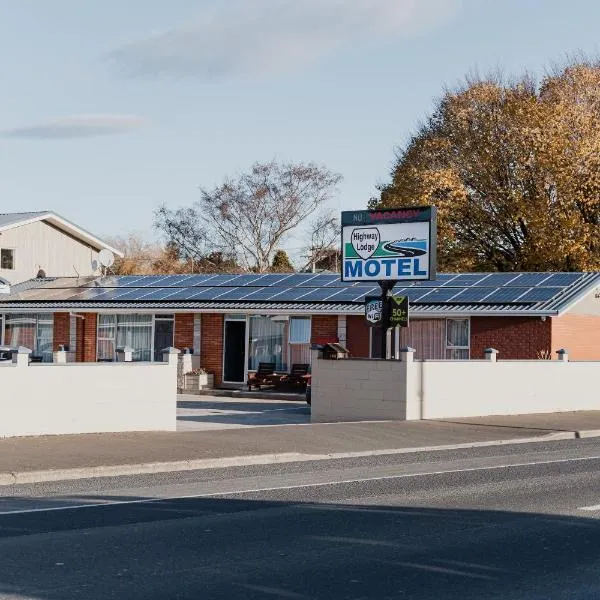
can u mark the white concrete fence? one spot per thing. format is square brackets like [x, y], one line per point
[64, 397]
[365, 389]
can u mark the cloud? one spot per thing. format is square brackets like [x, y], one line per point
[269, 36]
[78, 126]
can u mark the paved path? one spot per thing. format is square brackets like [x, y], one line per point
[209, 413]
[503, 523]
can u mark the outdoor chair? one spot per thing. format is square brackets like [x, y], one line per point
[298, 374]
[264, 375]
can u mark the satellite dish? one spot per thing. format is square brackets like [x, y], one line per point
[106, 258]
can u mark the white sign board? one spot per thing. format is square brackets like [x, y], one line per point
[397, 245]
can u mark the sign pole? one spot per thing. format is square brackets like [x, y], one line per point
[386, 287]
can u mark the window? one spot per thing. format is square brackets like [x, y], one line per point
[299, 340]
[118, 331]
[457, 339]
[267, 342]
[34, 331]
[7, 258]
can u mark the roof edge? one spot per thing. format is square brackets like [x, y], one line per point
[64, 225]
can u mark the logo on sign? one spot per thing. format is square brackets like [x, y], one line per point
[373, 309]
[365, 241]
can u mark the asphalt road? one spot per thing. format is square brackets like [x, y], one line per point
[510, 522]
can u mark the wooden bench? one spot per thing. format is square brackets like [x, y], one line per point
[298, 374]
[264, 375]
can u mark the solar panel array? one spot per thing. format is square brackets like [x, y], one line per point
[448, 288]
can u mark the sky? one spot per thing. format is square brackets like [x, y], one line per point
[110, 108]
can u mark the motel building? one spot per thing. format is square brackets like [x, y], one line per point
[230, 323]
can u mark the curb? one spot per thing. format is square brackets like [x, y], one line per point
[587, 433]
[29, 477]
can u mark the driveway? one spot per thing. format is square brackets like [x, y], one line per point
[204, 413]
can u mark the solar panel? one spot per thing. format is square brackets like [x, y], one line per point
[266, 293]
[466, 279]
[312, 280]
[498, 279]
[508, 294]
[541, 294]
[563, 279]
[530, 279]
[353, 293]
[472, 294]
[220, 280]
[439, 295]
[442, 278]
[272, 279]
[305, 294]
[232, 293]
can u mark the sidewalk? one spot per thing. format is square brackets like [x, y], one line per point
[49, 458]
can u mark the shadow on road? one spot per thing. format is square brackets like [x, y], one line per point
[230, 548]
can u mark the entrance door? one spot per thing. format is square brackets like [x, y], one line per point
[163, 337]
[234, 351]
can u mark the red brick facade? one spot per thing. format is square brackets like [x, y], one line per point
[324, 329]
[184, 330]
[579, 334]
[357, 336]
[86, 338]
[62, 329]
[514, 337]
[211, 345]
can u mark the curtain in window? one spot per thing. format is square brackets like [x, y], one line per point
[267, 343]
[45, 334]
[135, 331]
[426, 336]
[457, 339]
[299, 340]
[107, 335]
[21, 331]
[34, 331]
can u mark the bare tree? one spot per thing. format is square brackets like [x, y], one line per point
[249, 217]
[323, 250]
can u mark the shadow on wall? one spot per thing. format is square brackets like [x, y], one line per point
[224, 548]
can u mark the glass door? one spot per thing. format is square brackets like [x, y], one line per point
[234, 351]
[163, 336]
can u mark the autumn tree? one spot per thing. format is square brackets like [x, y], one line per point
[248, 217]
[514, 170]
[281, 262]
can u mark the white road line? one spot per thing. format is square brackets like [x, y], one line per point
[296, 486]
[590, 508]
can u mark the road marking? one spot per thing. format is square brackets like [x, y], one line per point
[590, 508]
[299, 486]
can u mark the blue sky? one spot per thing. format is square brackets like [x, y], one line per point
[111, 108]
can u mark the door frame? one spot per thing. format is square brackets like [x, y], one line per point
[238, 318]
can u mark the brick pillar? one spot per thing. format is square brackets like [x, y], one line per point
[86, 338]
[324, 329]
[62, 330]
[211, 345]
[184, 331]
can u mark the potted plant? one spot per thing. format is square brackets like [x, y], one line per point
[198, 379]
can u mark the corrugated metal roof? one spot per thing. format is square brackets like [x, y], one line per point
[308, 294]
[14, 218]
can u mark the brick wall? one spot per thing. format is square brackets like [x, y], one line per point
[184, 330]
[86, 338]
[211, 345]
[513, 337]
[324, 329]
[579, 334]
[62, 329]
[357, 336]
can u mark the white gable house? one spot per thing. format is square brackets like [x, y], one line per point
[45, 244]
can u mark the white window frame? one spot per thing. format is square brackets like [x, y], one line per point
[289, 343]
[450, 347]
[155, 317]
[14, 259]
[2, 324]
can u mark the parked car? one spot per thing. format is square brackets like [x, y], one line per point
[308, 393]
